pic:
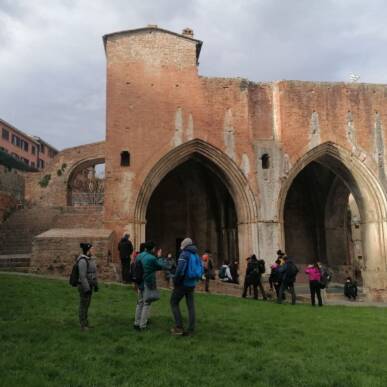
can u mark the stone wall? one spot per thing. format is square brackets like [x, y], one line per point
[48, 188]
[55, 251]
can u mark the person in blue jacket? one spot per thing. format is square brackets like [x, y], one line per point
[184, 287]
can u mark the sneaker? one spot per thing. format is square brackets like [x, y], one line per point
[177, 331]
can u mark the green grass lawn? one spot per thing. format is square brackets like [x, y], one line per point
[238, 342]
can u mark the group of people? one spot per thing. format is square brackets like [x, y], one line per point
[141, 266]
[142, 271]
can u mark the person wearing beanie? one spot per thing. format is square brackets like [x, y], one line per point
[184, 286]
[87, 283]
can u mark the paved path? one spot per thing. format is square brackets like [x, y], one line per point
[304, 296]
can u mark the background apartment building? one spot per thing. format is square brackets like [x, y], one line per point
[31, 150]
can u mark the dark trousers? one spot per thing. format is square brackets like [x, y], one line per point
[255, 286]
[125, 269]
[207, 283]
[286, 286]
[315, 289]
[84, 303]
[177, 294]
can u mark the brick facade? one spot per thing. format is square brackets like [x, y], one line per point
[257, 138]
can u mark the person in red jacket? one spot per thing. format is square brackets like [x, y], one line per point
[314, 275]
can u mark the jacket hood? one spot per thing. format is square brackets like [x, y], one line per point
[191, 248]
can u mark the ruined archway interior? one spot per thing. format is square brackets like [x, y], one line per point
[322, 221]
[192, 200]
[86, 184]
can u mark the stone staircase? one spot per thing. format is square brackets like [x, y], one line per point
[15, 262]
[17, 233]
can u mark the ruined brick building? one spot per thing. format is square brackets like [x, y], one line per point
[242, 167]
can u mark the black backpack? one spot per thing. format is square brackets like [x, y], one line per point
[291, 271]
[138, 272]
[261, 266]
[74, 276]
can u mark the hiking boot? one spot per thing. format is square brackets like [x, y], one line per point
[177, 331]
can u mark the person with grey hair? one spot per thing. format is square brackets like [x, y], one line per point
[125, 247]
[184, 286]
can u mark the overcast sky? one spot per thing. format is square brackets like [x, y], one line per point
[52, 62]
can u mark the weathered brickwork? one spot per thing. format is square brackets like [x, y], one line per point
[55, 251]
[257, 138]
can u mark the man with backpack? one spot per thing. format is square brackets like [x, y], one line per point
[147, 263]
[84, 275]
[188, 272]
[288, 273]
[253, 277]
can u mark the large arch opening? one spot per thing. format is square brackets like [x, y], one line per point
[333, 209]
[322, 222]
[220, 166]
[86, 184]
[192, 200]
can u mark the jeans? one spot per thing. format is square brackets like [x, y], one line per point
[84, 303]
[142, 310]
[315, 289]
[281, 292]
[178, 293]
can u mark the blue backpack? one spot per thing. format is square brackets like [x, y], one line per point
[195, 267]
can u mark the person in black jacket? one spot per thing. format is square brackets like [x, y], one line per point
[125, 248]
[288, 273]
[253, 278]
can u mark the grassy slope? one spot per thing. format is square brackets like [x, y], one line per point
[238, 342]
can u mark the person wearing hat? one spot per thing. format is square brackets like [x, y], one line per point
[184, 287]
[87, 282]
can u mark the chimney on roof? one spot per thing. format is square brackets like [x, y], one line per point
[188, 32]
[152, 26]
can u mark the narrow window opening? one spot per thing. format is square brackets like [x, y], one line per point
[125, 159]
[265, 159]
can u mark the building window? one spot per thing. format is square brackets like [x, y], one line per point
[33, 164]
[25, 160]
[42, 148]
[265, 159]
[51, 153]
[5, 134]
[33, 150]
[14, 140]
[125, 159]
[40, 164]
[25, 146]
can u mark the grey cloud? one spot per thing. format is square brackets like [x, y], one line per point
[52, 62]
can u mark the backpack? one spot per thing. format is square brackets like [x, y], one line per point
[74, 276]
[325, 278]
[292, 271]
[194, 267]
[138, 272]
[222, 272]
[261, 266]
